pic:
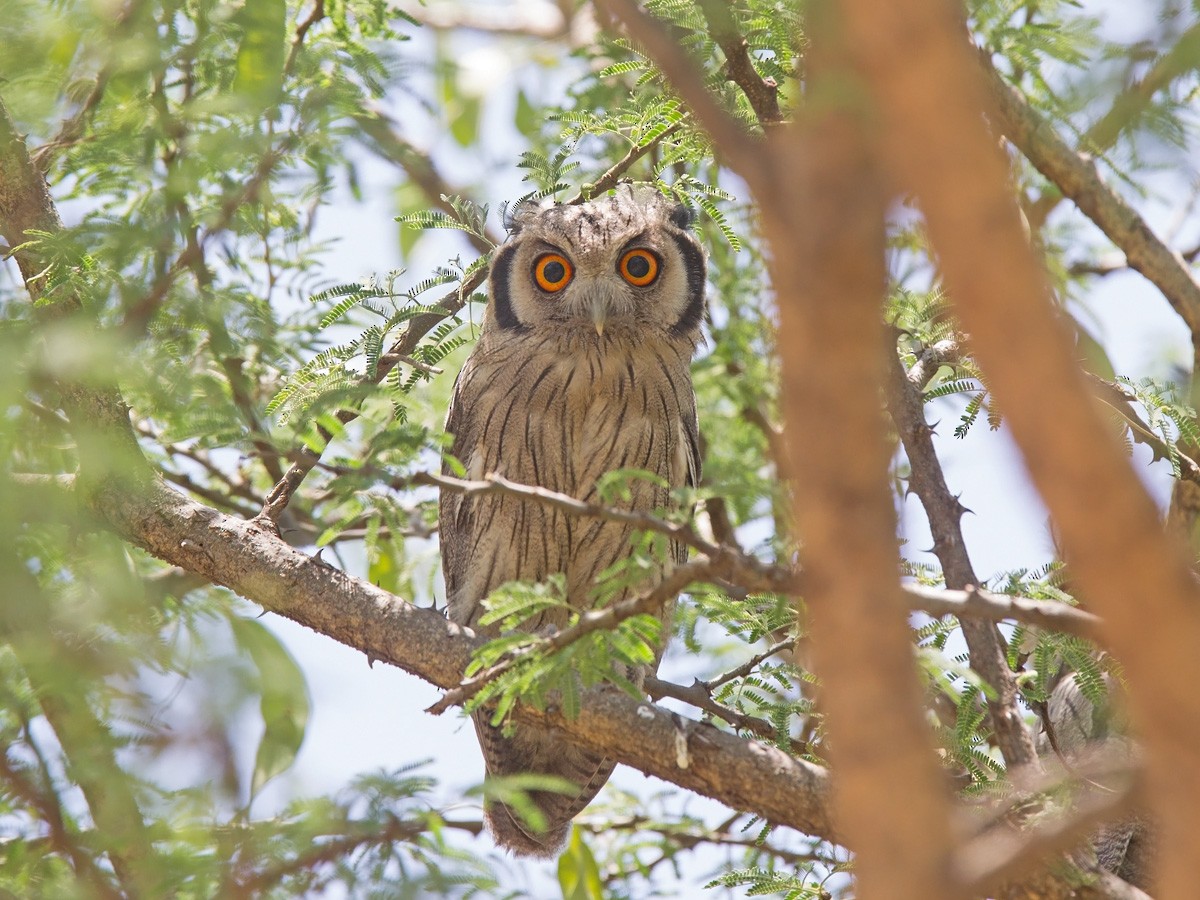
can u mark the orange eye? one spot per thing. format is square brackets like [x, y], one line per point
[552, 272]
[639, 267]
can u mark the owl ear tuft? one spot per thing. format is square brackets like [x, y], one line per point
[682, 216]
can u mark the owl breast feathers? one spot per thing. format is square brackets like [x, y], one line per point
[582, 368]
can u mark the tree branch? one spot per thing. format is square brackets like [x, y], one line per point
[385, 139]
[1079, 180]
[976, 603]
[763, 93]
[611, 178]
[986, 646]
[930, 91]
[1183, 57]
[824, 222]
[250, 560]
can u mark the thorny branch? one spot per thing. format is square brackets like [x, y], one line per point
[763, 93]
[984, 642]
[1120, 399]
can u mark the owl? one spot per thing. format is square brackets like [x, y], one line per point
[582, 367]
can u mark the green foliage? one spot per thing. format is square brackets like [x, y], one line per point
[514, 791]
[578, 874]
[283, 701]
[464, 215]
[766, 883]
[534, 672]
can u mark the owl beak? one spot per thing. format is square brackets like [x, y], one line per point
[599, 314]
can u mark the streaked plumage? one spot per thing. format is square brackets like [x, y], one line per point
[582, 367]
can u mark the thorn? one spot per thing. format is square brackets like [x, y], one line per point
[370, 660]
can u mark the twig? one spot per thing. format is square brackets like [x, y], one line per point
[613, 176]
[138, 316]
[72, 129]
[340, 846]
[698, 695]
[234, 367]
[928, 482]
[1110, 263]
[757, 576]
[1125, 108]
[752, 573]
[763, 93]
[1183, 57]
[749, 665]
[974, 602]
[1119, 398]
[606, 618]
[377, 125]
[317, 14]
[306, 459]
[235, 486]
[721, 835]
[217, 498]
[727, 133]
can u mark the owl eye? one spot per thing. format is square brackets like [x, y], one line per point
[639, 267]
[552, 272]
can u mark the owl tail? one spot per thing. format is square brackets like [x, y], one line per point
[532, 750]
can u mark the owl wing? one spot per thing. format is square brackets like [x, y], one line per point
[689, 429]
[455, 510]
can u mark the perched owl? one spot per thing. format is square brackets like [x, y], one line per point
[582, 367]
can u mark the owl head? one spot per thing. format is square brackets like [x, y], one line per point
[623, 263]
